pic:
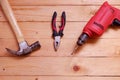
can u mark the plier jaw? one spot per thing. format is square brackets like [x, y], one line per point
[57, 42]
[57, 35]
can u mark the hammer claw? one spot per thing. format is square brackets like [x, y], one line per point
[13, 52]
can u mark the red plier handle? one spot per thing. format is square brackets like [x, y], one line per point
[63, 22]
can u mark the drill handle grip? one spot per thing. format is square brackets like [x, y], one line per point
[116, 22]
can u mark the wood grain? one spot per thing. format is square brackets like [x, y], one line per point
[62, 66]
[61, 2]
[40, 13]
[43, 30]
[56, 77]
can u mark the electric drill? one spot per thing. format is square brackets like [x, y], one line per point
[104, 17]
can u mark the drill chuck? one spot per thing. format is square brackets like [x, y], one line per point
[82, 39]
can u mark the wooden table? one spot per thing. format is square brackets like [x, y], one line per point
[99, 59]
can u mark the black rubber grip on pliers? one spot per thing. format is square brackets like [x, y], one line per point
[63, 22]
[54, 25]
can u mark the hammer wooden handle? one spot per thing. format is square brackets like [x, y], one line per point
[10, 16]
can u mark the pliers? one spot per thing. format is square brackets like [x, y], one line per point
[57, 35]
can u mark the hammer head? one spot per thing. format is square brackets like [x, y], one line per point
[24, 48]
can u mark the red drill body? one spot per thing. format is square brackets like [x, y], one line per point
[105, 16]
[101, 20]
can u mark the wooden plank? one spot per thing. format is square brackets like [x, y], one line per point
[61, 2]
[56, 77]
[38, 30]
[44, 13]
[43, 30]
[102, 47]
[59, 66]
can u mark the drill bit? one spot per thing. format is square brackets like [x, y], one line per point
[75, 49]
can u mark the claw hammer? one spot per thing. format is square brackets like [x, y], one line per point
[24, 48]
